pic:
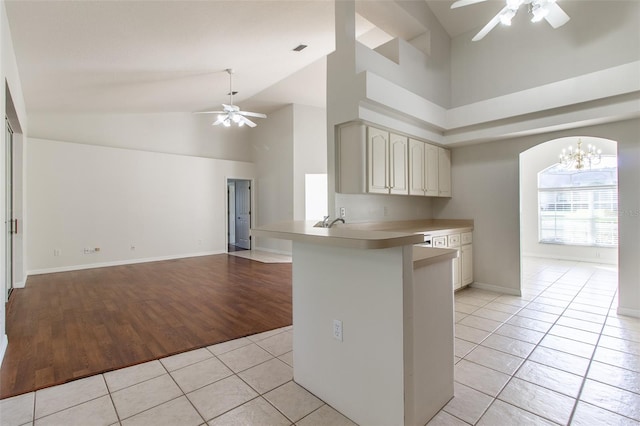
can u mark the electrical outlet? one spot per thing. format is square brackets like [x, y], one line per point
[343, 212]
[337, 330]
[385, 211]
[56, 252]
[133, 247]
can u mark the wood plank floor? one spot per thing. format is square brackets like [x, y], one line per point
[70, 325]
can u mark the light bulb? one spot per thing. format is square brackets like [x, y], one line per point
[507, 16]
[240, 124]
[235, 118]
[514, 4]
[539, 12]
[226, 123]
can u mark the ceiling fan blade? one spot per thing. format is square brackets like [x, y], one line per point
[461, 3]
[210, 112]
[490, 25]
[231, 107]
[246, 121]
[220, 120]
[253, 114]
[556, 16]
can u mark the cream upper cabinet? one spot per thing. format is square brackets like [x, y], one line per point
[416, 167]
[376, 161]
[423, 168]
[387, 156]
[398, 164]
[444, 172]
[432, 171]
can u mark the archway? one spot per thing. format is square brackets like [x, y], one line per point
[533, 242]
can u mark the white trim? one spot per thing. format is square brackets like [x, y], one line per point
[572, 258]
[628, 312]
[496, 288]
[119, 263]
[601, 84]
[3, 347]
[270, 250]
[20, 284]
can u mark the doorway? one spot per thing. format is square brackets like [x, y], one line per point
[239, 214]
[567, 214]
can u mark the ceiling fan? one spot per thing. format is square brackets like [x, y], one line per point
[231, 113]
[539, 10]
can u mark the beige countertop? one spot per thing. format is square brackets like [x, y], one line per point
[361, 235]
[337, 236]
[423, 256]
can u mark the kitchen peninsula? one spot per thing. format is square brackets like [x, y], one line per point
[372, 319]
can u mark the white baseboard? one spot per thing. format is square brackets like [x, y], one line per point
[572, 258]
[628, 312]
[269, 250]
[21, 284]
[119, 263]
[496, 288]
[3, 347]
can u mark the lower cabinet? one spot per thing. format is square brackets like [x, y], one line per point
[463, 264]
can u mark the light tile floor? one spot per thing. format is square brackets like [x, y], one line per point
[557, 355]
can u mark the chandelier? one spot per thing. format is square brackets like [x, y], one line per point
[578, 158]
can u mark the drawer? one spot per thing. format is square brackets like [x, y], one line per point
[440, 242]
[467, 238]
[453, 240]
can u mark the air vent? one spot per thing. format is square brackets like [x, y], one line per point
[299, 47]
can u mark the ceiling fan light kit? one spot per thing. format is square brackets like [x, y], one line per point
[231, 113]
[538, 9]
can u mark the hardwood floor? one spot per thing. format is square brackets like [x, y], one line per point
[74, 324]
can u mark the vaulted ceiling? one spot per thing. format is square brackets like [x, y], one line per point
[167, 56]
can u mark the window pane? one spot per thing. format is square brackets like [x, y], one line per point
[579, 207]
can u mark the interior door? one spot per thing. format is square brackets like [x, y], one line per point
[243, 214]
[10, 223]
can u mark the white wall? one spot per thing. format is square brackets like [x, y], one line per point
[629, 221]
[533, 161]
[172, 133]
[600, 35]
[485, 182]
[83, 196]
[309, 151]
[288, 145]
[273, 159]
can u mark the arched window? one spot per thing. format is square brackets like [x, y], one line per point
[579, 207]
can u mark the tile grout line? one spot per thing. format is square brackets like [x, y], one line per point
[538, 344]
[526, 358]
[591, 360]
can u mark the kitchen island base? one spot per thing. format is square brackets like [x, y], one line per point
[394, 364]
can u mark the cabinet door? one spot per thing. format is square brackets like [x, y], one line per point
[455, 264]
[398, 160]
[444, 172]
[466, 264]
[377, 161]
[431, 170]
[416, 167]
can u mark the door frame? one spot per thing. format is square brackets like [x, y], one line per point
[252, 214]
[9, 255]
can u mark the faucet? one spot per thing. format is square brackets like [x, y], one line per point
[338, 219]
[325, 222]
